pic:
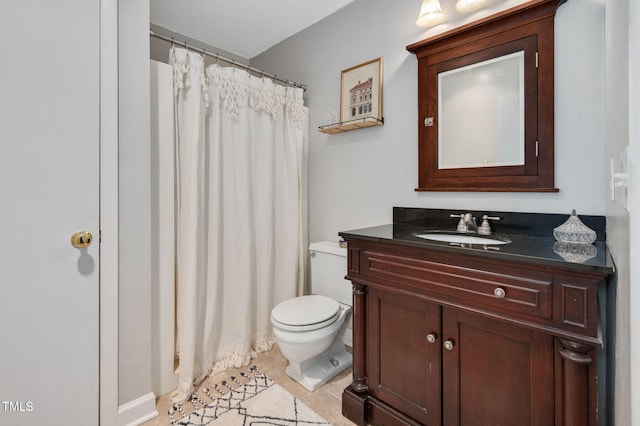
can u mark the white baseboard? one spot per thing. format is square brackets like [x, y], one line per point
[138, 411]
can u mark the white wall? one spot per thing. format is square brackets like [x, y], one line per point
[623, 129]
[357, 177]
[634, 203]
[163, 304]
[134, 334]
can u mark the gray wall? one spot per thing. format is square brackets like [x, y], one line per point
[134, 378]
[160, 48]
[356, 178]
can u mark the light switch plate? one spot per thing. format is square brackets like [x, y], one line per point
[619, 178]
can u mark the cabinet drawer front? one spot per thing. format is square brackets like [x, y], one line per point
[504, 289]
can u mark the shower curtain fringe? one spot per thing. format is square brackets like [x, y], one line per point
[183, 393]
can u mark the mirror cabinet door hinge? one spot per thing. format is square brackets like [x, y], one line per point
[536, 149]
[536, 60]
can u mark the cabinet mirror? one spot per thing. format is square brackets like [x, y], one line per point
[481, 114]
[485, 103]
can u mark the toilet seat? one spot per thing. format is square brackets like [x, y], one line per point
[305, 313]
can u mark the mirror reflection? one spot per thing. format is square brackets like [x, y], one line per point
[481, 114]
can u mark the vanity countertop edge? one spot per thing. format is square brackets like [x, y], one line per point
[534, 250]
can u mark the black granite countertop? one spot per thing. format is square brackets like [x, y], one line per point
[528, 247]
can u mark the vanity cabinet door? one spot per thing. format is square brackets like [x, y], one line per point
[404, 355]
[495, 373]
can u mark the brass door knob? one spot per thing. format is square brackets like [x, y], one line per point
[81, 239]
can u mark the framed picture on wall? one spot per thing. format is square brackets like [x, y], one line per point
[361, 91]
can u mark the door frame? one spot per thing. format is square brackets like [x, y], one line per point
[108, 239]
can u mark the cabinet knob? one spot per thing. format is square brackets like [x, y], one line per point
[432, 337]
[448, 345]
[499, 293]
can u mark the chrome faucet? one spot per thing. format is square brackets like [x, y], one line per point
[468, 223]
[466, 220]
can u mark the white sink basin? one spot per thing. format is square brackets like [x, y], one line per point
[462, 238]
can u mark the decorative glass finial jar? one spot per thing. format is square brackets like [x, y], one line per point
[573, 231]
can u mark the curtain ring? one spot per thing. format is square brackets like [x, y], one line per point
[217, 58]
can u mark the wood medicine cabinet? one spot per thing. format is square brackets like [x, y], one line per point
[486, 103]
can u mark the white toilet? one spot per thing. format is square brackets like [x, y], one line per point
[310, 329]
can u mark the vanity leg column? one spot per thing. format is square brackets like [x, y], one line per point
[359, 383]
[576, 384]
[355, 397]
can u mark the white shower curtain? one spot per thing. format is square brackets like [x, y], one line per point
[240, 209]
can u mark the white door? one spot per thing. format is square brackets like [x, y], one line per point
[49, 169]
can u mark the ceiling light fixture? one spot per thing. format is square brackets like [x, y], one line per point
[465, 6]
[430, 13]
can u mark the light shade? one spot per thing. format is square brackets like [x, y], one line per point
[430, 13]
[469, 5]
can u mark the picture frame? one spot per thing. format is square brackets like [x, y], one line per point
[361, 91]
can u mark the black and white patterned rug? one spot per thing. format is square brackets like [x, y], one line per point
[258, 401]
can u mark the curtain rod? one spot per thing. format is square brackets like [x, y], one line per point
[217, 57]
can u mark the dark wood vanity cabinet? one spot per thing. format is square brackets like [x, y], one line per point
[482, 365]
[496, 373]
[403, 369]
[452, 339]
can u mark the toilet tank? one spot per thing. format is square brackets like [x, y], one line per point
[328, 268]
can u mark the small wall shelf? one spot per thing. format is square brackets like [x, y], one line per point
[345, 126]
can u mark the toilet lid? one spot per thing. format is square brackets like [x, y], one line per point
[306, 312]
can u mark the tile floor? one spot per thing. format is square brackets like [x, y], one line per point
[325, 401]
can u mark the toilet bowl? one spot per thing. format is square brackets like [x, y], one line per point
[309, 331]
